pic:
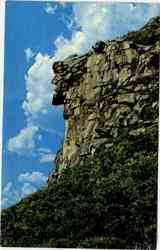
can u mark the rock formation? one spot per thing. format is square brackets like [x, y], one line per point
[113, 86]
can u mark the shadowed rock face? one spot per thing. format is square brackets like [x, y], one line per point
[113, 86]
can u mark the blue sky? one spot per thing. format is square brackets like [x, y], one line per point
[37, 34]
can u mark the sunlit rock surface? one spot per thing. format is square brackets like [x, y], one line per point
[114, 85]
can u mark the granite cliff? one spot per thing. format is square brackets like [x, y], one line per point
[103, 190]
[112, 87]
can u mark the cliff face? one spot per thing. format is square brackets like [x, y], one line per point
[113, 86]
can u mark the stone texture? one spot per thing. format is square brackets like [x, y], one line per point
[113, 86]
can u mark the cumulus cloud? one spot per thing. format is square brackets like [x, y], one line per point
[29, 54]
[109, 20]
[37, 105]
[101, 21]
[24, 142]
[7, 188]
[45, 155]
[91, 24]
[47, 158]
[33, 177]
[44, 150]
[67, 47]
[38, 86]
[9, 195]
[30, 183]
[28, 189]
[49, 8]
[93, 21]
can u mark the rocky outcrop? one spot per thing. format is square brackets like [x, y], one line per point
[113, 86]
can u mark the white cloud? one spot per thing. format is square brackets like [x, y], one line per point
[28, 189]
[37, 104]
[5, 194]
[45, 155]
[31, 182]
[100, 21]
[67, 47]
[10, 195]
[68, 21]
[44, 150]
[7, 188]
[38, 86]
[47, 158]
[24, 142]
[29, 54]
[50, 9]
[33, 177]
[91, 18]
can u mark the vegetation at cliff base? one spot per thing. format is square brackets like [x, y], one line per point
[108, 201]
